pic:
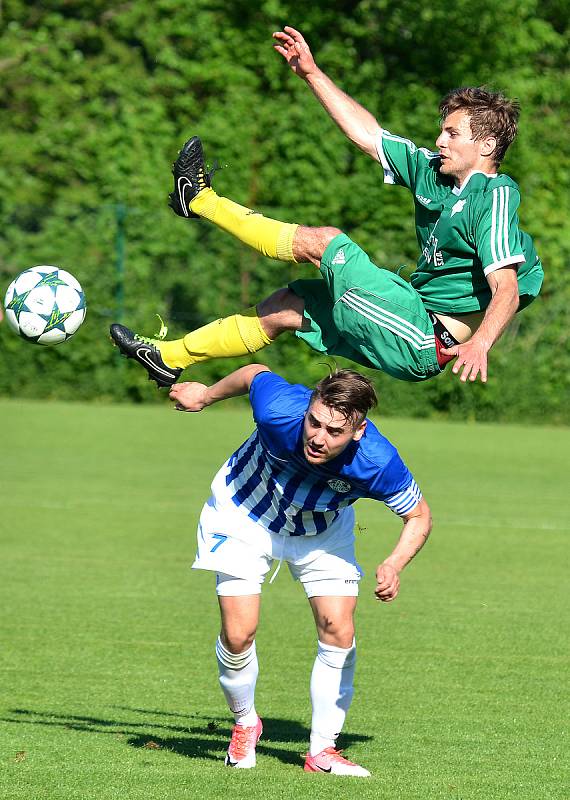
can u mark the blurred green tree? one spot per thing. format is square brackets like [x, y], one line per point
[97, 100]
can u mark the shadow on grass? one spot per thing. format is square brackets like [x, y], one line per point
[195, 736]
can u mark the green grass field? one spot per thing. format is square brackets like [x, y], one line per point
[109, 681]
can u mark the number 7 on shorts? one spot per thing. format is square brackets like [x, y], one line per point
[221, 539]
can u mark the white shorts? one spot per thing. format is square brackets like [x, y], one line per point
[234, 546]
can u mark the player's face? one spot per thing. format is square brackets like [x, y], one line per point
[326, 433]
[460, 153]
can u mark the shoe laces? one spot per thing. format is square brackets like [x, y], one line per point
[205, 175]
[242, 739]
[216, 167]
[336, 755]
[158, 337]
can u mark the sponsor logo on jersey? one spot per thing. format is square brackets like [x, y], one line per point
[339, 486]
[431, 253]
[458, 207]
[422, 199]
[339, 257]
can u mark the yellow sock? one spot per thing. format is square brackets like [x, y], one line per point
[268, 236]
[237, 335]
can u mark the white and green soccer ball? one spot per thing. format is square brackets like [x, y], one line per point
[45, 305]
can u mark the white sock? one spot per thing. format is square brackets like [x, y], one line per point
[331, 693]
[238, 676]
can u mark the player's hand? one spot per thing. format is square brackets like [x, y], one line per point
[387, 583]
[295, 51]
[189, 396]
[472, 356]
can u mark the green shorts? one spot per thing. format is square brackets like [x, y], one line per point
[367, 314]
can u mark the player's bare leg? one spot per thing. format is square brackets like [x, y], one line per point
[239, 334]
[309, 244]
[193, 196]
[239, 618]
[332, 684]
[282, 311]
[238, 670]
[249, 332]
[334, 618]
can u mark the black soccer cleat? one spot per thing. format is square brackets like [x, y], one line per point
[146, 352]
[190, 177]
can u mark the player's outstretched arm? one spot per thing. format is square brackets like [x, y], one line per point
[354, 120]
[472, 354]
[195, 396]
[417, 527]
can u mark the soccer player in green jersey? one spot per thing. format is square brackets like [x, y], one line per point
[475, 271]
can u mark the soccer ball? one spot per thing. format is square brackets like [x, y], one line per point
[45, 305]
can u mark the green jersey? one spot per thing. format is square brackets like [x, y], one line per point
[464, 233]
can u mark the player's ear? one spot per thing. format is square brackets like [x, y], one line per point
[488, 146]
[359, 431]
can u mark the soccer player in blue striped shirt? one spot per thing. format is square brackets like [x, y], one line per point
[287, 494]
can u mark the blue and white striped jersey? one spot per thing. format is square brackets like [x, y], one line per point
[269, 478]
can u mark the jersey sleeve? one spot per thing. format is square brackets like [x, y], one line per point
[403, 502]
[395, 486]
[264, 389]
[273, 399]
[404, 163]
[497, 237]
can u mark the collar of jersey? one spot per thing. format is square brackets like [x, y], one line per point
[459, 190]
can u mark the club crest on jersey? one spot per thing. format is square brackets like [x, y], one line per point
[458, 207]
[339, 486]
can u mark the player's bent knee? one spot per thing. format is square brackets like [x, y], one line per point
[281, 311]
[309, 244]
[279, 302]
[339, 634]
[327, 235]
[341, 638]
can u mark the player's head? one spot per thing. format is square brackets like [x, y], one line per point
[336, 415]
[477, 127]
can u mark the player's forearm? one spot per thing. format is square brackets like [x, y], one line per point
[499, 313]
[414, 535]
[233, 385]
[358, 124]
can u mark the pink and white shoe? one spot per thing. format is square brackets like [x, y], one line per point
[241, 752]
[331, 760]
